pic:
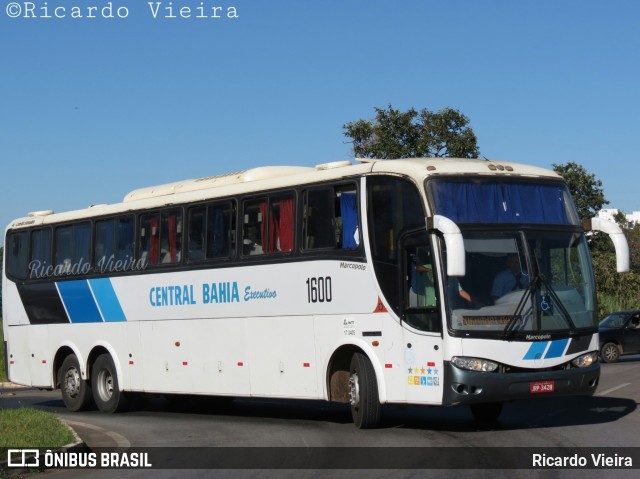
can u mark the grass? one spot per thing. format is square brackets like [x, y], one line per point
[31, 428]
[608, 303]
[3, 375]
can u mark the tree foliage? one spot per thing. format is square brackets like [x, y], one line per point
[586, 190]
[413, 134]
[615, 291]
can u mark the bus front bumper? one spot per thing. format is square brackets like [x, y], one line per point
[471, 387]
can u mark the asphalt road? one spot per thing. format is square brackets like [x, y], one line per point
[608, 419]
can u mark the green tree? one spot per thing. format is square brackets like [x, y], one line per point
[412, 134]
[615, 291]
[586, 190]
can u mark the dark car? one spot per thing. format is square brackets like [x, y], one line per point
[619, 334]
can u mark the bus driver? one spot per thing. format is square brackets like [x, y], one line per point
[510, 279]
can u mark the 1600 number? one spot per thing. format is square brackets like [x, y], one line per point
[319, 290]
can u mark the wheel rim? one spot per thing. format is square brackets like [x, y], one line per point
[611, 352]
[72, 382]
[354, 390]
[105, 385]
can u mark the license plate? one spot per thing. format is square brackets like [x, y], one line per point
[542, 387]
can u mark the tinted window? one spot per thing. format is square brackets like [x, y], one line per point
[17, 254]
[73, 248]
[394, 208]
[40, 265]
[268, 225]
[114, 244]
[330, 218]
[211, 232]
[161, 237]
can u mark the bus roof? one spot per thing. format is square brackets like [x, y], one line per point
[274, 177]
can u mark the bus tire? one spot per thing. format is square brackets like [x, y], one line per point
[76, 392]
[363, 393]
[104, 382]
[487, 412]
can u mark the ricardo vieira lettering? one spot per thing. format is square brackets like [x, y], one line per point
[115, 10]
[577, 460]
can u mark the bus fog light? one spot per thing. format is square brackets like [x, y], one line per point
[585, 360]
[474, 364]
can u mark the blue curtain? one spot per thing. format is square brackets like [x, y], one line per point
[349, 211]
[501, 202]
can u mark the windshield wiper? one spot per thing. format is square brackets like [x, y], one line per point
[558, 302]
[512, 326]
[518, 320]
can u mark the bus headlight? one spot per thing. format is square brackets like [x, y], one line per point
[474, 364]
[585, 360]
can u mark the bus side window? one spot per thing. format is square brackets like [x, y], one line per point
[149, 238]
[17, 258]
[113, 244]
[103, 243]
[124, 241]
[171, 236]
[349, 219]
[73, 246]
[211, 232]
[330, 218]
[268, 225]
[253, 227]
[220, 233]
[421, 288]
[282, 220]
[195, 233]
[420, 298]
[318, 226]
[40, 253]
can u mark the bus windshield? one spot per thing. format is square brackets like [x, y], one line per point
[523, 284]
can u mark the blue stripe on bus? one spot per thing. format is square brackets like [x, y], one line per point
[107, 299]
[536, 350]
[557, 348]
[79, 302]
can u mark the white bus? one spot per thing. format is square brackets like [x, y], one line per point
[420, 281]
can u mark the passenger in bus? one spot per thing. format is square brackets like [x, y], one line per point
[422, 283]
[510, 279]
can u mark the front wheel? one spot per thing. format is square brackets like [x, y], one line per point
[104, 382]
[610, 353]
[363, 393]
[76, 392]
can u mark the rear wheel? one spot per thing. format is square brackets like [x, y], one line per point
[488, 412]
[610, 353]
[363, 393]
[76, 392]
[104, 382]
